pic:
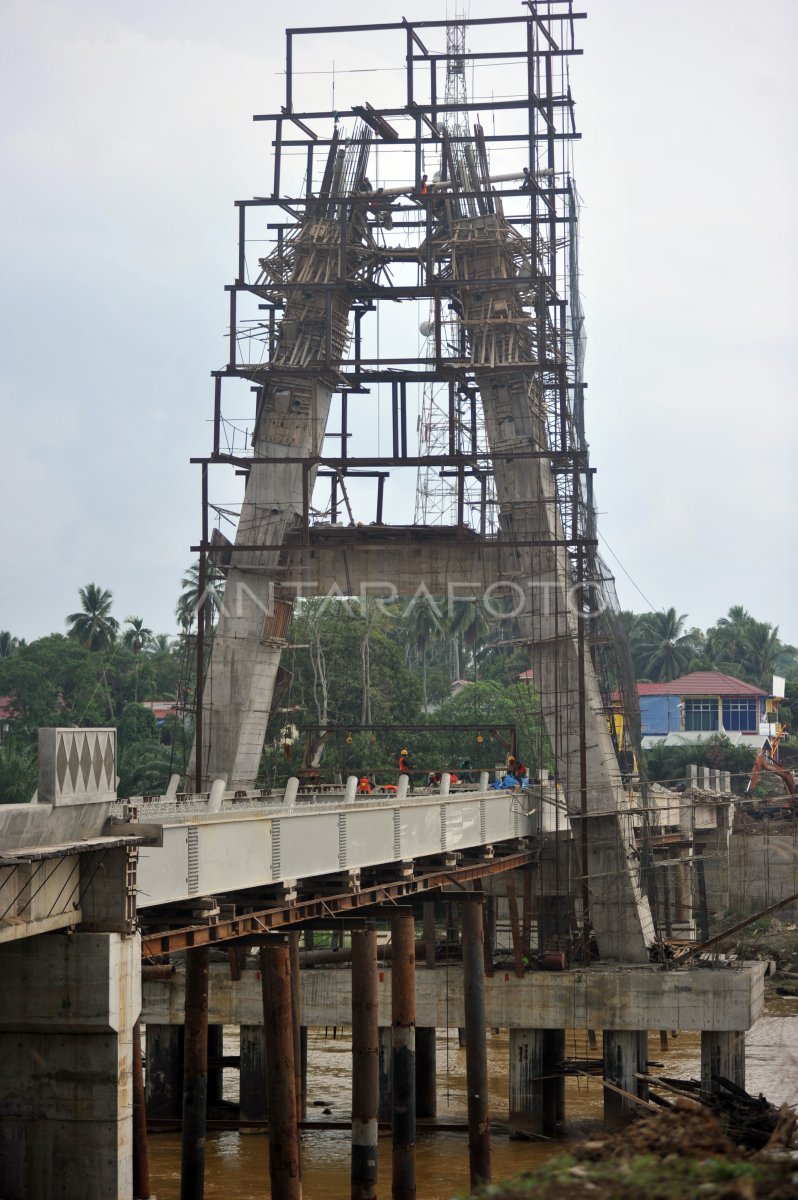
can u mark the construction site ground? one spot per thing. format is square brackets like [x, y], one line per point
[677, 1153]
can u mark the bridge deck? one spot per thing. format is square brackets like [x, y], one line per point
[255, 843]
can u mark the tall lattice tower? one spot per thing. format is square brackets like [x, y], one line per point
[451, 419]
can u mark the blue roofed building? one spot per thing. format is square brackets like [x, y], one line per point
[696, 706]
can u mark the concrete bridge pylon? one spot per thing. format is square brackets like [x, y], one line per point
[492, 256]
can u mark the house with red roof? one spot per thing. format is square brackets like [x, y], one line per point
[160, 709]
[696, 706]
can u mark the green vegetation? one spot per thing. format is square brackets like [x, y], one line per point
[664, 647]
[92, 676]
[665, 763]
[678, 1152]
[674, 1178]
[348, 664]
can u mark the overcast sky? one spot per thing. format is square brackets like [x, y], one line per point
[126, 137]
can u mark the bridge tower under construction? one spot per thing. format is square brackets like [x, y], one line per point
[423, 241]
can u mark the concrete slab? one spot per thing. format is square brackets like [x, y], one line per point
[622, 998]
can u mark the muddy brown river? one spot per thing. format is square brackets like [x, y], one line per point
[237, 1164]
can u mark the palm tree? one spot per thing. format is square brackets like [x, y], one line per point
[423, 626]
[189, 598]
[761, 651]
[725, 642]
[8, 644]
[465, 627]
[665, 648]
[93, 626]
[160, 643]
[137, 638]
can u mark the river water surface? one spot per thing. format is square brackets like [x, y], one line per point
[237, 1166]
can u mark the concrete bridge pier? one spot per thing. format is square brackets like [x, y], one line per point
[163, 1085]
[215, 1050]
[68, 1004]
[722, 1054]
[625, 1056]
[537, 1090]
[553, 1060]
[253, 1098]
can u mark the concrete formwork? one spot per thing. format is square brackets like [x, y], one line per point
[502, 345]
[291, 421]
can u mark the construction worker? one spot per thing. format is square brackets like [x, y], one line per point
[364, 786]
[406, 766]
[516, 768]
[423, 189]
[526, 183]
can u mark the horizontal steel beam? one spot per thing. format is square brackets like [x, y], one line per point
[280, 917]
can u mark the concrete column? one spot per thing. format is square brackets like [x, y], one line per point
[403, 1058]
[490, 918]
[665, 913]
[476, 1047]
[426, 1079]
[723, 1055]
[526, 1087]
[625, 1055]
[703, 907]
[365, 1065]
[215, 1050]
[553, 1057]
[386, 1077]
[68, 1003]
[682, 899]
[253, 1094]
[163, 1083]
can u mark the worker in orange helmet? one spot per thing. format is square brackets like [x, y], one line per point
[516, 768]
[406, 766]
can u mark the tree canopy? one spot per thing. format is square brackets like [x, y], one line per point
[348, 664]
[664, 647]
